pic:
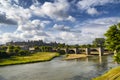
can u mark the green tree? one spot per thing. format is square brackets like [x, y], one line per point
[99, 42]
[4, 48]
[113, 41]
[23, 53]
[113, 38]
[46, 48]
[10, 50]
[37, 48]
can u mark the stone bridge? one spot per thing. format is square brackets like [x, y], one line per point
[87, 51]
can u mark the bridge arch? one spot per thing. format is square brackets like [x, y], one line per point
[71, 51]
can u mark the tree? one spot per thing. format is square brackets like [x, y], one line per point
[113, 38]
[113, 41]
[46, 48]
[23, 53]
[37, 48]
[4, 48]
[99, 42]
[10, 50]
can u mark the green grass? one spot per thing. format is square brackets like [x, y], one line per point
[37, 57]
[113, 74]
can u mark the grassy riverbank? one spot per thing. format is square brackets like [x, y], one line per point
[113, 74]
[37, 57]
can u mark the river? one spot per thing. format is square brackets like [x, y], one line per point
[58, 69]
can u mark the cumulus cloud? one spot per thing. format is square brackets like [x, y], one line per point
[89, 5]
[33, 21]
[92, 11]
[5, 20]
[96, 28]
[31, 25]
[11, 13]
[54, 10]
[65, 28]
[87, 31]
[61, 27]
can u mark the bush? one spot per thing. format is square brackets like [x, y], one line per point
[116, 57]
[23, 53]
[46, 48]
[3, 54]
[62, 52]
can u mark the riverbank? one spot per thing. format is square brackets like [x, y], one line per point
[37, 57]
[74, 56]
[113, 74]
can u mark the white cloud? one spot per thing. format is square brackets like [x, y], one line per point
[31, 25]
[92, 11]
[30, 28]
[61, 27]
[5, 20]
[70, 18]
[89, 5]
[56, 11]
[87, 32]
[96, 28]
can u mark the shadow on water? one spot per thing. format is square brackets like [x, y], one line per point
[99, 66]
[2, 78]
[79, 77]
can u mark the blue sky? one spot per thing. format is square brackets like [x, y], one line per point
[64, 21]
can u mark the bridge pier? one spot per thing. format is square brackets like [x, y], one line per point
[76, 51]
[87, 51]
[101, 51]
[66, 50]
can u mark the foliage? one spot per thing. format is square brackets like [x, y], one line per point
[99, 42]
[46, 48]
[3, 47]
[113, 38]
[13, 50]
[86, 46]
[3, 54]
[113, 41]
[116, 57]
[62, 52]
[23, 53]
[61, 45]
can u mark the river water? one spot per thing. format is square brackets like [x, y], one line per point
[58, 69]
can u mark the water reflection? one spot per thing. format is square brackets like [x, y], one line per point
[95, 59]
[57, 69]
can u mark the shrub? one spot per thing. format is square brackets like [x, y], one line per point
[62, 52]
[116, 57]
[23, 53]
[3, 54]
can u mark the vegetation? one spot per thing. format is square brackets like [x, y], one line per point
[113, 74]
[99, 42]
[46, 48]
[113, 40]
[36, 57]
[9, 51]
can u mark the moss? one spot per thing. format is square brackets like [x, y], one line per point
[37, 57]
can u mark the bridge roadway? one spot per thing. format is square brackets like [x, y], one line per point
[87, 51]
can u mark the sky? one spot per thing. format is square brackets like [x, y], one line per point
[63, 21]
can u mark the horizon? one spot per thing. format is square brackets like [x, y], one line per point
[62, 21]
